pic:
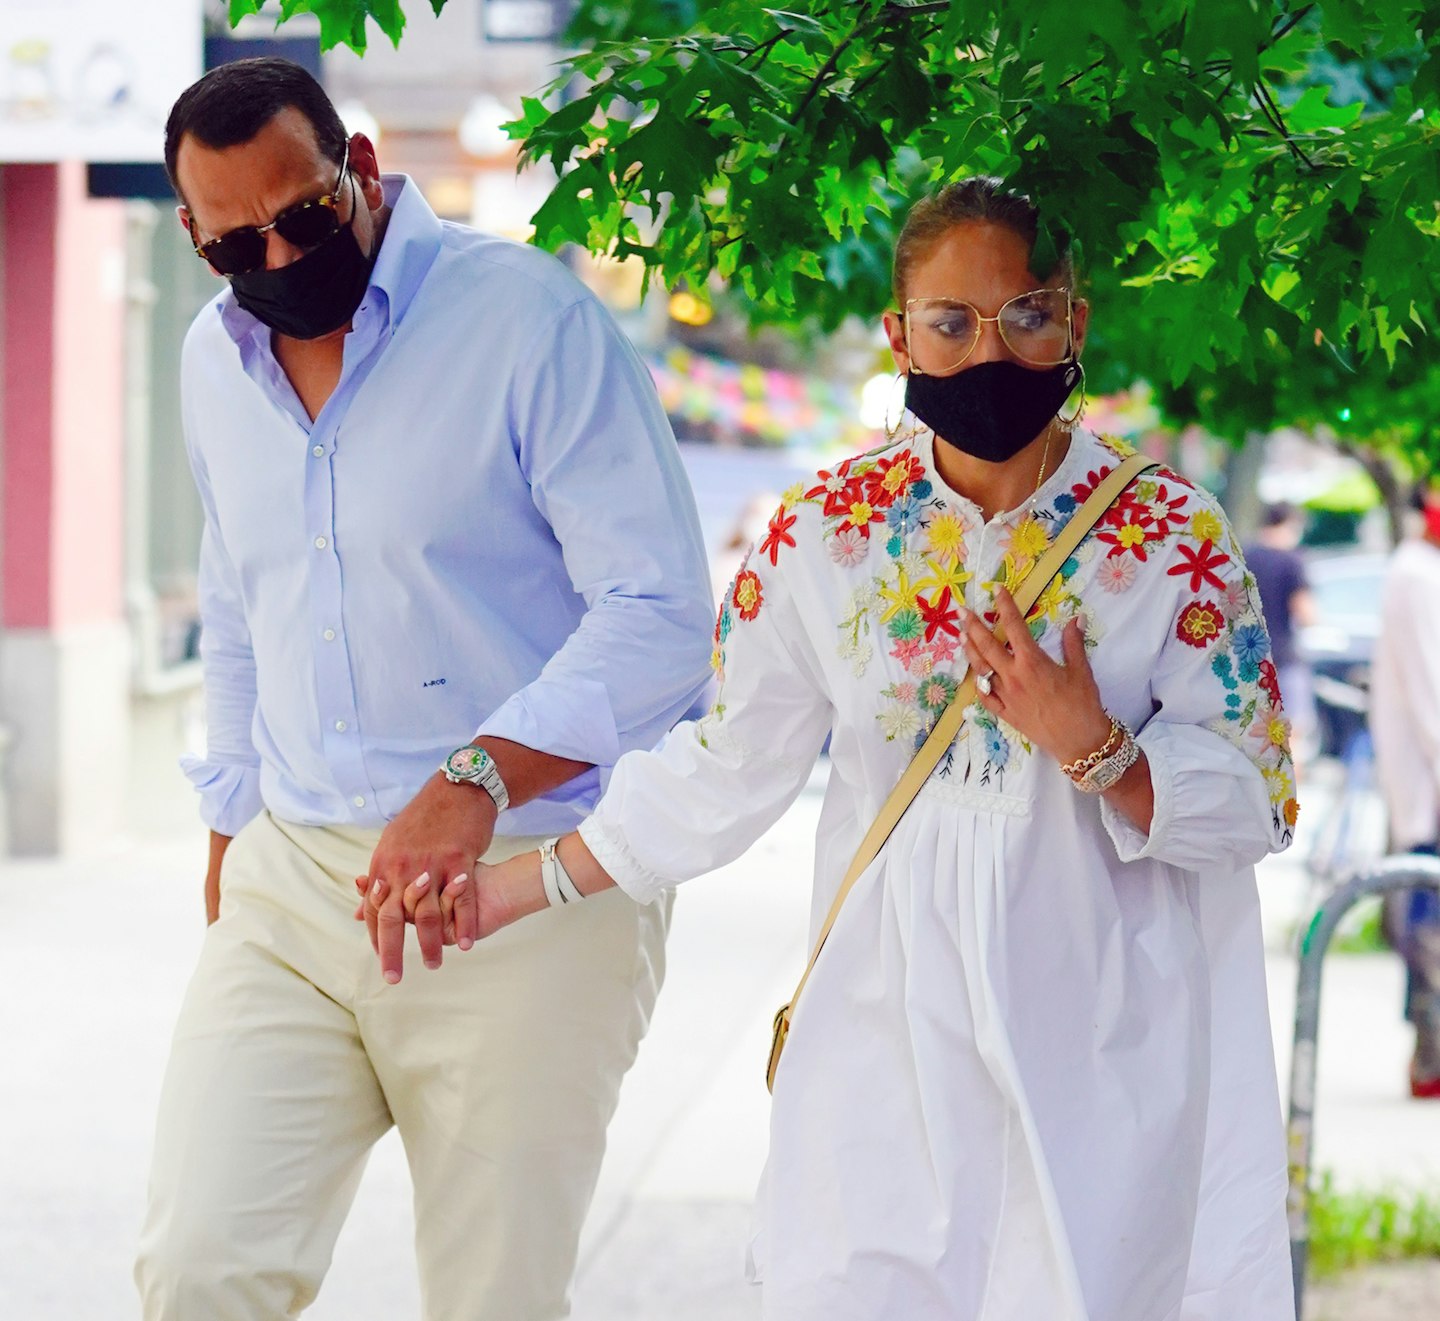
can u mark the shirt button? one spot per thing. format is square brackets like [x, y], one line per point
[359, 801]
[318, 451]
[320, 543]
[341, 726]
[328, 635]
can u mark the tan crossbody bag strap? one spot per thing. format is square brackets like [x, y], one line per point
[948, 726]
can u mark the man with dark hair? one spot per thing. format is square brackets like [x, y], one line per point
[1279, 569]
[441, 503]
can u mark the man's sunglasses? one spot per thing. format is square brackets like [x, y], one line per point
[306, 225]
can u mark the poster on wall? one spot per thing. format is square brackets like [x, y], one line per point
[93, 80]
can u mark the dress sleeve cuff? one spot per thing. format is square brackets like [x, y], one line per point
[613, 853]
[1131, 843]
[573, 720]
[229, 793]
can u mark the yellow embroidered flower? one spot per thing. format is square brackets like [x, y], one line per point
[897, 477]
[1051, 600]
[946, 537]
[717, 660]
[1119, 448]
[861, 512]
[793, 495]
[900, 597]
[1130, 534]
[1205, 526]
[1029, 539]
[941, 576]
[1280, 784]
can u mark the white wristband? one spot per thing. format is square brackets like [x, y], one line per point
[559, 888]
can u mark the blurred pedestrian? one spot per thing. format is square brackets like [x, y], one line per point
[1279, 568]
[440, 496]
[1031, 1075]
[1405, 726]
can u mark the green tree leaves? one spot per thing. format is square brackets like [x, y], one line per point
[1253, 183]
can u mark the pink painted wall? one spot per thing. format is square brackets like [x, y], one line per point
[63, 401]
[88, 536]
[31, 200]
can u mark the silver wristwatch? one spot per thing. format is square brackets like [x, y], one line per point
[1104, 775]
[472, 765]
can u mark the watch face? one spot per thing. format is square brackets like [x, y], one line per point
[467, 761]
[1105, 775]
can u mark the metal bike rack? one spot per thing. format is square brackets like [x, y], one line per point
[1405, 872]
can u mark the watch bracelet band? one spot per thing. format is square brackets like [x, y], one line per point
[1081, 765]
[1112, 768]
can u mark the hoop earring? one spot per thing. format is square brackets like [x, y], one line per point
[1070, 423]
[892, 429]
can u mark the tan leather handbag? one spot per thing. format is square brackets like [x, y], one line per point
[948, 726]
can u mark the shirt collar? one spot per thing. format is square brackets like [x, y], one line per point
[407, 251]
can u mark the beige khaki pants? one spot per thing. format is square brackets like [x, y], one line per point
[292, 1056]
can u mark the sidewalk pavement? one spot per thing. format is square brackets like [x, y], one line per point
[97, 953]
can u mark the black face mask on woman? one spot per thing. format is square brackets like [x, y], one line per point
[994, 409]
[313, 295]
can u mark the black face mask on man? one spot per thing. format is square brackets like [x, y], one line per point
[313, 295]
[994, 409]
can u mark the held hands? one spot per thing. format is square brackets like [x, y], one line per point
[415, 878]
[1056, 706]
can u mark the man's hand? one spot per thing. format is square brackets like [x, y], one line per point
[429, 850]
[218, 844]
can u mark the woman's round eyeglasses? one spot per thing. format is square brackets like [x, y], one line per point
[306, 225]
[940, 333]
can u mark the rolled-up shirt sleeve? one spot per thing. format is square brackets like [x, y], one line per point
[1218, 743]
[227, 778]
[604, 472]
[713, 787]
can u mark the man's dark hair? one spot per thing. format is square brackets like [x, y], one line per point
[231, 104]
[1276, 514]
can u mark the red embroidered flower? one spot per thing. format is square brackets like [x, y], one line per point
[1270, 681]
[1129, 532]
[1200, 565]
[778, 534]
[1199, 624]
[1081, 490]
[890, 478]
[748, 595]
[939, 617]
[1162, 510]
[839, 489]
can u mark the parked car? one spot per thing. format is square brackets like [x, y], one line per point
[1340, 645]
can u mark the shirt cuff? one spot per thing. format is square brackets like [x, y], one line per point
[613, 853]
[1132, 843]
[570, 718]
[229, 793]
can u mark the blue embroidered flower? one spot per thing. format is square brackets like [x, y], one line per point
[1065, 503]
[902, 514]
[1220, 663]
[921, 490]
[727, 622]
[1251, 647]
[997, 750]
[1249, 671]
[895, 547]
[1069, 569]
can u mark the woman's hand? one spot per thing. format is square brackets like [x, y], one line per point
[1056, 706]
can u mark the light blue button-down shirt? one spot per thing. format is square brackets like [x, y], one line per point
[487, 529]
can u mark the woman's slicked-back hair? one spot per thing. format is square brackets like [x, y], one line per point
[231, 104]
[981, 197]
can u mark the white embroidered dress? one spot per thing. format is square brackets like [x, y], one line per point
[1031, 1076]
